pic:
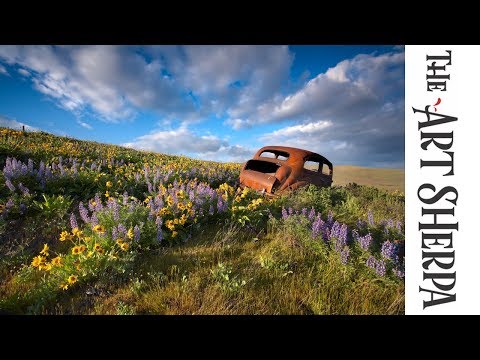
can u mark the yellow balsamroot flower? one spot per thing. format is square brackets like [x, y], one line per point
[99, 229]
[75, 231]
[119, 241]
[130, 233]
[237, 198]
[107, 194]
[65, 235]
[38, 261]
[174, 233]
[57, 261]
[98, 248]
[82, 248]
[64, 286]
[87, 238]
[44, 250]
[72, 279]
[46, 267]
[124, 246]
[175, 221]
[76, 250]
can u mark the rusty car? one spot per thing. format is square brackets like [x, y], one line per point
[275, 169]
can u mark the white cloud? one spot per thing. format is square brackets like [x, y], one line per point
[23, 72]
[14, 124]
[3, 70]
[187, 83]
[177, 141]
[85, 125]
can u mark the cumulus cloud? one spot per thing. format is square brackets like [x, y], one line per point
[14, 124]
[354, 112]
[3, 70]
[177, 141]
[23, 72]
[187, 83]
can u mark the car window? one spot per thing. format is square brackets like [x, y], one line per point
[312, 165]
[267, 154]
[280, 155]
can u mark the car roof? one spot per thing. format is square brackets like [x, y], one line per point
[294, 152]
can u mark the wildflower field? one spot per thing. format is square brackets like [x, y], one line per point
[88, 228]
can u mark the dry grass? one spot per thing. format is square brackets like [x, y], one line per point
[383, 178]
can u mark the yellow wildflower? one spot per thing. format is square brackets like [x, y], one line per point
[38, 261]
[44, 250]
[119, 241]
[130, 233]
[107, 194]
[57, 261]
[76, 250]
[174, 233]
[87, 238]
[65, 235]
[124, 246]
[72, 279]
[99, 228]
[109, 184]
[64, 286]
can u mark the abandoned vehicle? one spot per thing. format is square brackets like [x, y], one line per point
[274, 169]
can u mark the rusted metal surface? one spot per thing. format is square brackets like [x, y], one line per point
[274, 169]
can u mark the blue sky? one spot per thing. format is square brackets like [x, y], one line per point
[213, 102]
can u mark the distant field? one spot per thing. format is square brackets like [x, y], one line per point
[388, 179]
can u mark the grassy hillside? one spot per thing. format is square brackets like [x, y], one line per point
[388, 179]
[88, 228]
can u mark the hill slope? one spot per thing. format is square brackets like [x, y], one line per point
[88, 228]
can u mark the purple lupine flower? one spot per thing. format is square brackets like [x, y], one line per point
[344, 254]
[399, 272]
[98, 202]
[317, 226]
[73, 221]
[390, 251]
[365, 241]
[371, 222]
[380, 267]
[94, 220]
[159, 222]
[115, 210]
[9, 204]
[398, 225]
[122, 230]
[290, 211]
[311, 214]
[371, 262]
[114, 233]
[23, 208]
[136, 233]
[149, 186]
[83, 212]
[30, 166]
[330, 217]
[23, 189]
[361, 224]
[284, 213]
[304, 211]
[9, 184]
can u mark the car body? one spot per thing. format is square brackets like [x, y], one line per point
[274, 169]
